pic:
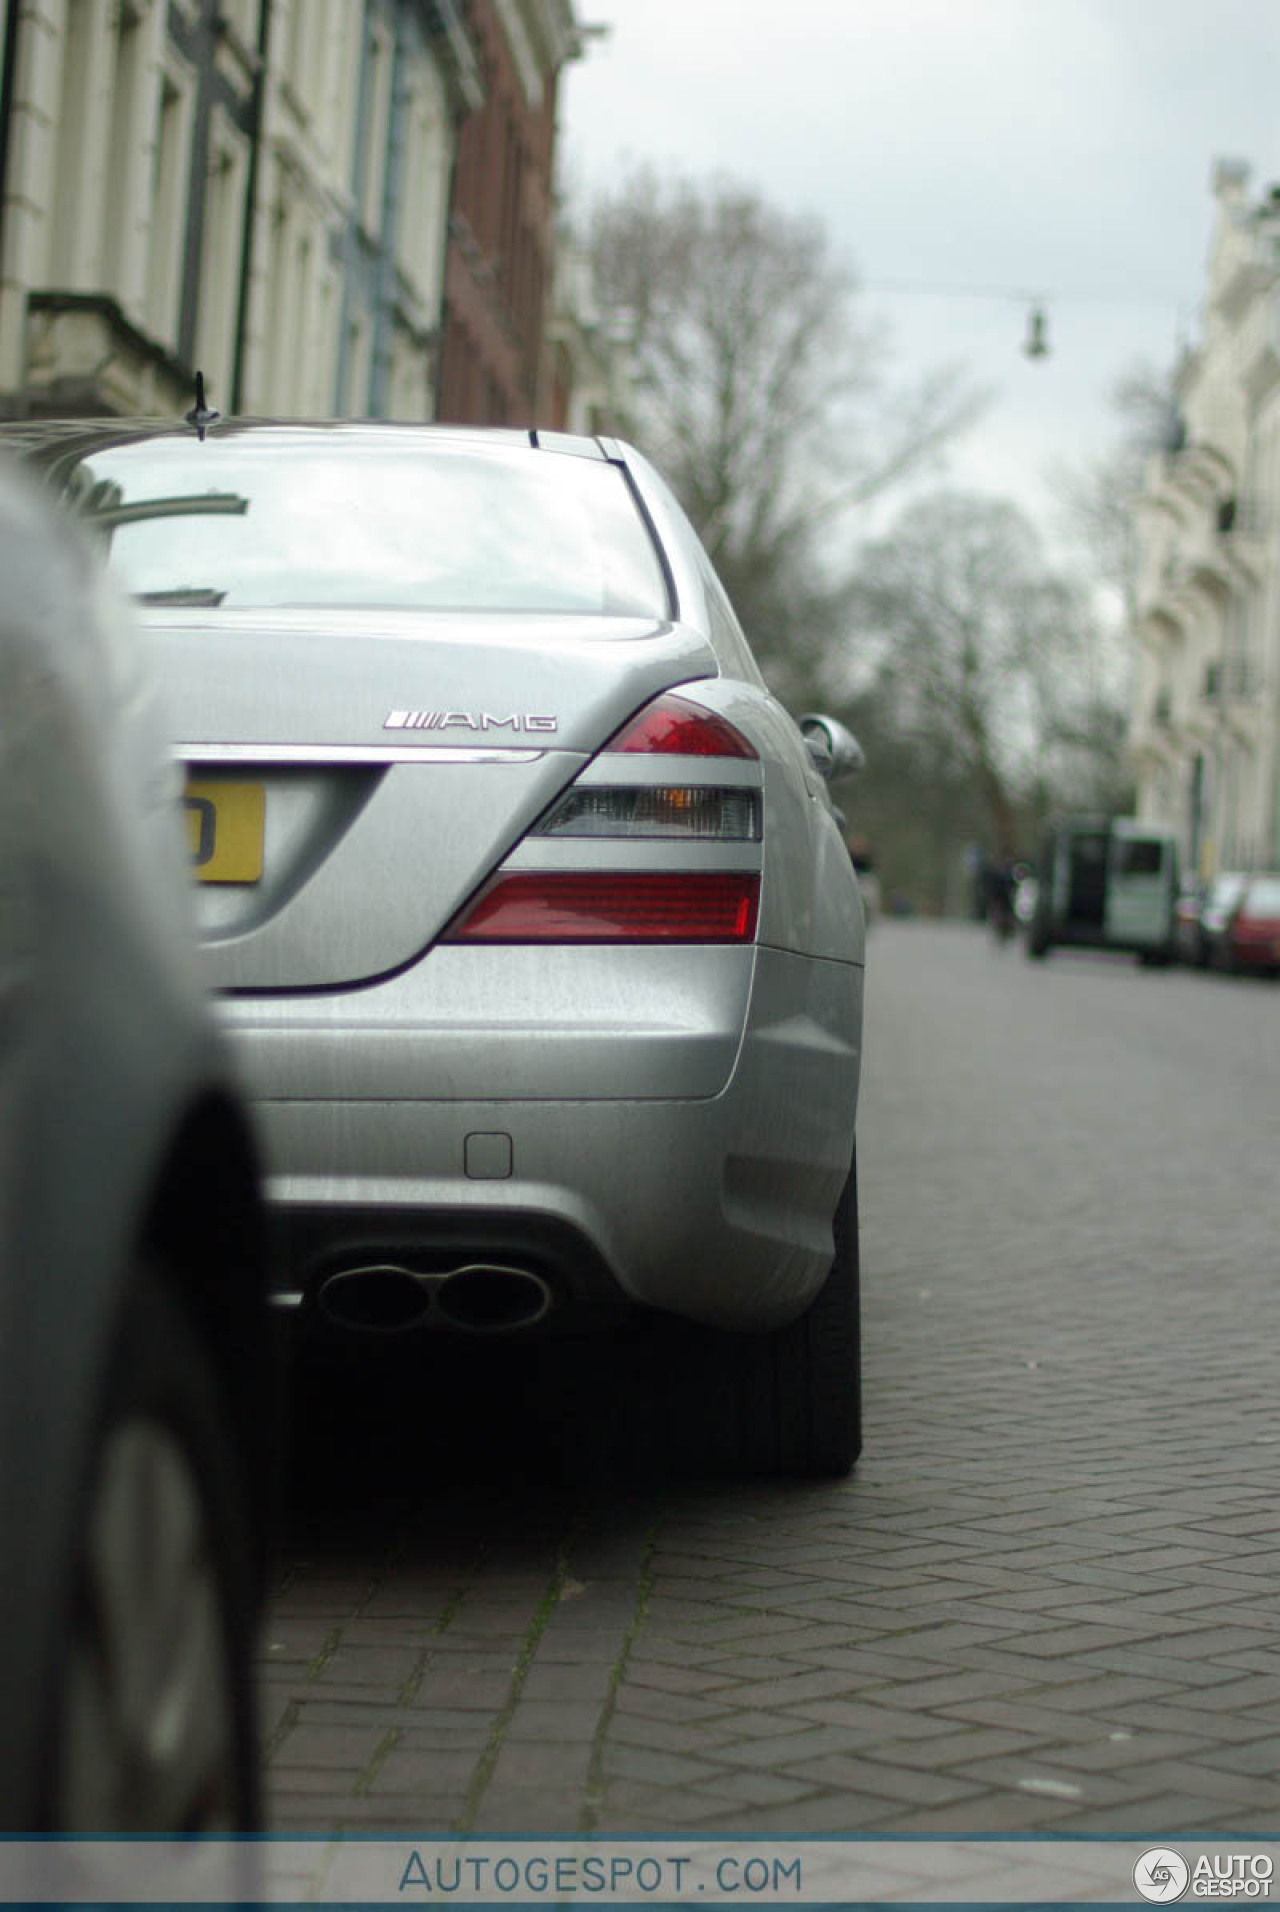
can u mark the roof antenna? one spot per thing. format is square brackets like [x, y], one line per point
[201, 415]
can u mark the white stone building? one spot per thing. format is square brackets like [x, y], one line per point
[255, 188]
[122, 120]
[360, 116]
[1205, 731]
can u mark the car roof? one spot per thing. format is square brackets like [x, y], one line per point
[44, 440]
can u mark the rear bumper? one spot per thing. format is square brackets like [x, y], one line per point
[703, 1184]
[481, 1024]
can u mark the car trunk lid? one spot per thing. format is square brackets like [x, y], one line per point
[354, 777]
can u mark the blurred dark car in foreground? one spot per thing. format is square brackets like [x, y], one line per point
[1249, 940]
[135, 1376]
[534, 920]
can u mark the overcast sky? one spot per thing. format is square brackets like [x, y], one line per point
[1054, 149]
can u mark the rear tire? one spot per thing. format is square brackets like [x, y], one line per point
[153, 1727]
[813, 1367]
[788, 1402]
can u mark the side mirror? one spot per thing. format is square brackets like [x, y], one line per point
[835, 751]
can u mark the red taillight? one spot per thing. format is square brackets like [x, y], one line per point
[640, 906]
[678, 729]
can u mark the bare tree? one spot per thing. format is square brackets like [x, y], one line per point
[1098, 518]
[1098, 499]
[764, 399]
[982, 648]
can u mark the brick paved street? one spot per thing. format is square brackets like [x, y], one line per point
[1045, 1599]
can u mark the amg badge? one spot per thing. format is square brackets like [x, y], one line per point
[465, 720]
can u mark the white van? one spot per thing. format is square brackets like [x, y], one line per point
[1106, 883]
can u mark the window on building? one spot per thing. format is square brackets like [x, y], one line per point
[302, 44]
[149, 91]
[293, 348]
[509, 239]
[220, 254]
[407, 392]
[345, 92]
[421, 229]
[126, 133]
[289, 270]
[170, 172]
[377, 126]
[79, 171]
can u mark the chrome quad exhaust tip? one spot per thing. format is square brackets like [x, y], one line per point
[483, 1298]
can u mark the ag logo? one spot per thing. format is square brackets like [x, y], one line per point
[1162, 1875]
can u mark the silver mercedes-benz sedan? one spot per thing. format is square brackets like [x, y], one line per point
[526, 898]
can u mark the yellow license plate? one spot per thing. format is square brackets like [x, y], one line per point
[225, 823]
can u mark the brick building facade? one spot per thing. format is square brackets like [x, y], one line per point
[499, 262]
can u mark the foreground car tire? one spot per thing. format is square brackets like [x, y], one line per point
[154, 1727]
[810, 1372]
[785, 1403]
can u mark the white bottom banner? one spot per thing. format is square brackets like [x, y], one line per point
[656, 1872]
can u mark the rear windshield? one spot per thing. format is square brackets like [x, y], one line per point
[244, 524]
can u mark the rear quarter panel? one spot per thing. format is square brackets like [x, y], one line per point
[809, 899]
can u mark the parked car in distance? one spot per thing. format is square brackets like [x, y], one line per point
[1105, 883]
[535, 924]
[136, 1383]
[1186, 920]
[1249, 941]
[1202, 939]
